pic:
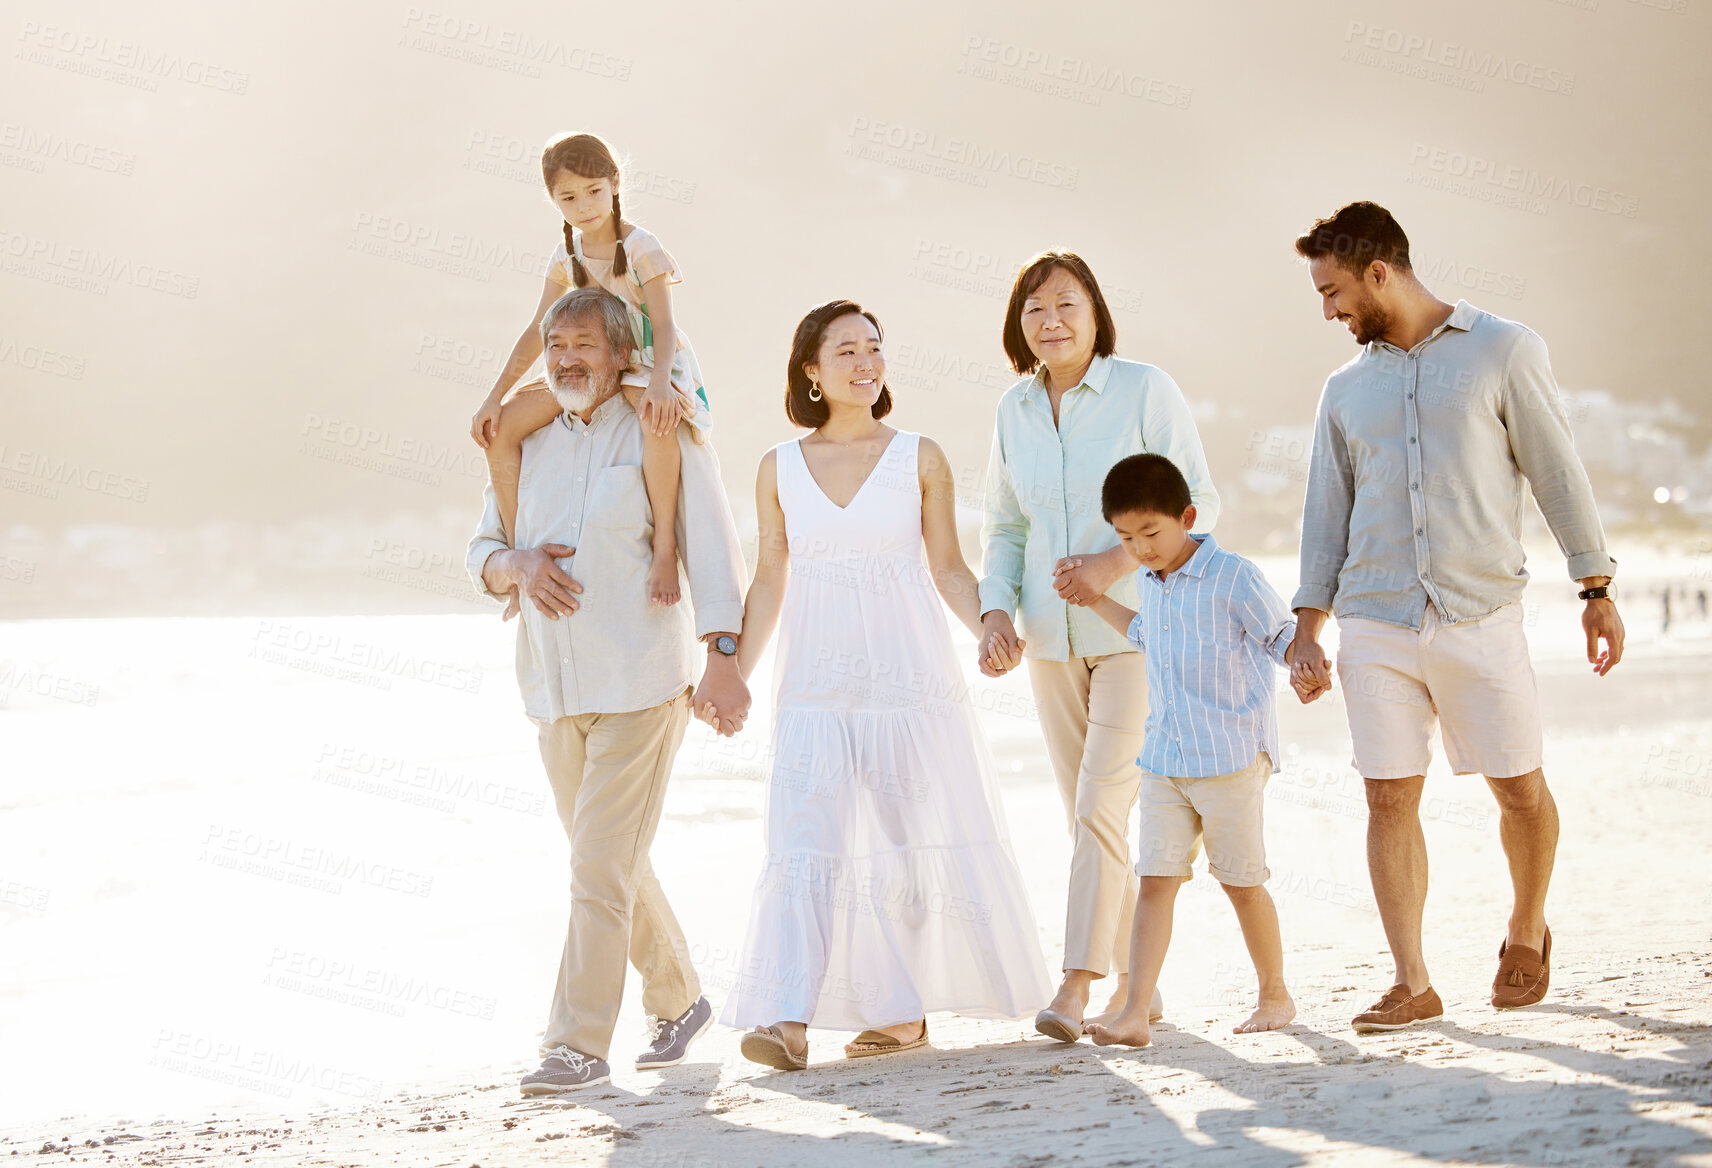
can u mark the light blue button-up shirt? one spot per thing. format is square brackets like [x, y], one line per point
[1043, 494]
[1415, 489]
[1211, 631]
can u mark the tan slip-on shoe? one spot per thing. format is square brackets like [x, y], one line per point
[1058, 1026]
[1523, 974]
[1398, 1009]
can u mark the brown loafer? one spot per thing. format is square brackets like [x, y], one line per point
[1398, 1009]
[1523, 974]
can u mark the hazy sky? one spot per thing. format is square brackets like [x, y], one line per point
[206, 295]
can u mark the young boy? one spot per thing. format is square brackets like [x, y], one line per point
[1211, 627]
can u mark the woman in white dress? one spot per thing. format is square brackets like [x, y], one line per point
[889, 888]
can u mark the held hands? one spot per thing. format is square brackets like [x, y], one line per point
[722, 698]
[1000, 649]
[1080, 579]
[1599, 620]
[1310, 669]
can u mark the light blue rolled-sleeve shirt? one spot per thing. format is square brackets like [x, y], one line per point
[1415, 491]
[1043, 494]
[1212, 631]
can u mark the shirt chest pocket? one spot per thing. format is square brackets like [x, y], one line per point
[618, 503]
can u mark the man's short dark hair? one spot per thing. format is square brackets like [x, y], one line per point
[1357, 234]
[1145, 483]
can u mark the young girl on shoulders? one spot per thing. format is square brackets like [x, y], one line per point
[663, 384]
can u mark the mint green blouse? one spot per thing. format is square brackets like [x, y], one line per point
[1043, 494]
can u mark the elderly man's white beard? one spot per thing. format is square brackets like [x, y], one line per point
[574, 397]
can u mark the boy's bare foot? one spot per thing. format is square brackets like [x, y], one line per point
[1124, 1030]
[1274, 1014]
[663, 579]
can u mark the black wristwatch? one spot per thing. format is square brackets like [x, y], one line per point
[725, 643]
[1603, 592]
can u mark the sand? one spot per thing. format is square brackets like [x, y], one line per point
[271, 893]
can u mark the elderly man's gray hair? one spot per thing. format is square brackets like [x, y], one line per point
[580, 303]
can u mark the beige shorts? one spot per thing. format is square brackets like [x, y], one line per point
[1473, 679]
[1225, 810]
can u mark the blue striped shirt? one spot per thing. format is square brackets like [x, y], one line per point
[1211, 631]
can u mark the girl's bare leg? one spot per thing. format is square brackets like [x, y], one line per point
[519, 417]
[662, 464]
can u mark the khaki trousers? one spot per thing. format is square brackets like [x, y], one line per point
[608, 773]
[1093, 712]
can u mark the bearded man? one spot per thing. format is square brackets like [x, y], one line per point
[1411, 536]
[606, 677]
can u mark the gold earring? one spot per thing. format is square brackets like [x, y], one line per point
[814, 393]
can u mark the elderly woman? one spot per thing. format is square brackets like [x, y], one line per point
[1049, 552]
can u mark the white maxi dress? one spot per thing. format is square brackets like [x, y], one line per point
[889, 889]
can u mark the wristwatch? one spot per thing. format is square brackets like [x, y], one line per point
[725, 643]
[1603, 592]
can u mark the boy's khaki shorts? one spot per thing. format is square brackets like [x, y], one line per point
[1473, 679]
[1225, 810]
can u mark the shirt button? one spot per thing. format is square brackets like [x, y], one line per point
[1411, 395]
[564, 661]
[1414, 486]
[1411, 442]
[579, 478]
[1420, 531]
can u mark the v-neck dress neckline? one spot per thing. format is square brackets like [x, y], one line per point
[866, 479]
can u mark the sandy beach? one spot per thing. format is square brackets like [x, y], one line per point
[288, 891]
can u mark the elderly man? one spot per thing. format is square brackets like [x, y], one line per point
[606, 677]
[1411, 536]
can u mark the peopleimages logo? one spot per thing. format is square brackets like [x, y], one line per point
[913, 148]
[39, 146]
[120, 60]
[35, 473]
[87, 269]
[1490, 180]
[515, 49]
[1481, 64]
[1055, 75]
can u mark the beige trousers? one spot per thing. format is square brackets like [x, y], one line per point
[1093, 712]
[608, 773]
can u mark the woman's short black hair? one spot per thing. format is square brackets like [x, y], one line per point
[1032, 275]
[1146, 483]
[805, 349]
